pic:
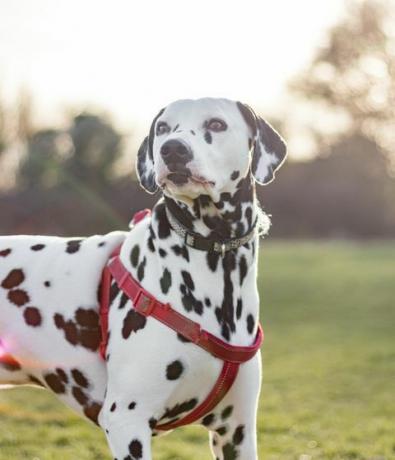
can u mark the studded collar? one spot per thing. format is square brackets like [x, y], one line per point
[197, 241]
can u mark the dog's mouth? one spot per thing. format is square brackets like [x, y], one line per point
[183, 177]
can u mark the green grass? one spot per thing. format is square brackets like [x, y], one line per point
[328, 310]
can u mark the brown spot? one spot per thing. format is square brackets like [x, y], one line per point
[35, 380]
[92, 411]
[87, 317]
[80, 395]
[62, 375]
[5, 252]
[13, 279]
[54, 383]
[90, 338]
[18, 297]
[32, 316]
[79, 378]
[9, 363]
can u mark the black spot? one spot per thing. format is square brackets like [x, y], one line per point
[152, 422]
[183, 339]
[235, 175]
[212, 260]
[222, 430]
[47, 283]
[114, 291]
[73, 246]
[123, 302]
[250, 323]
[208, 137]
[229, 451]
[227, 412]
[174, 370]
[208, 419]
[5, 252]
[207, 302]
[113, 407]
[243, 268]
[162, 252]
[180, 408]
[132, 405]
[163, 223]
[193, 132]
[141, 269]
[132, 323]
[238, 435]
[165, 281]
[37, 247]
[136, 449]
[181, 251]
[134, 255]
[101, 244]
[32, 316]
[188, 280]
[150, 244]
[239, 308]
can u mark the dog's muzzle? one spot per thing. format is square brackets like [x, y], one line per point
[176, 154]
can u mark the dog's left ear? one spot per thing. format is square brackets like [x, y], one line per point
[269, 149]
[145, 160]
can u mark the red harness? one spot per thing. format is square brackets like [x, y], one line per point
[147, 305]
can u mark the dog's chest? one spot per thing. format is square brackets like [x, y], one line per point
[217, 292]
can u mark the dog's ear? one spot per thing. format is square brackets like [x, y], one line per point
[145, 160]
[269, 149]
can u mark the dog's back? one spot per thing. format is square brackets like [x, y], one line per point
[49, 323]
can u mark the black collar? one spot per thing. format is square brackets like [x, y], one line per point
[203, 243]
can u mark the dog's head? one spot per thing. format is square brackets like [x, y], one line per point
[204, 146]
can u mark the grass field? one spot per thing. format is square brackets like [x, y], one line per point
[328, 310]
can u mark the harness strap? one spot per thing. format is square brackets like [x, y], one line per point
[222, 386]
[147, 305]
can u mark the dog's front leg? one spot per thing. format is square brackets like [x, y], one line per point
[232, 424]
[127, 430]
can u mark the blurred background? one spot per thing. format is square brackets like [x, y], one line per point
[80, 82]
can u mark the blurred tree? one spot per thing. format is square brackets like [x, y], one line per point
[352, 75]
[97, 146]
[41, 166]
[347, 193]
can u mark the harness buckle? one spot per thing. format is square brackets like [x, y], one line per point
[192, 331]
[143, 303]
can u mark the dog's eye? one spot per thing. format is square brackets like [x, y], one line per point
[216, 125]
[162, 128]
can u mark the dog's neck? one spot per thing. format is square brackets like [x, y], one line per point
[233, 216]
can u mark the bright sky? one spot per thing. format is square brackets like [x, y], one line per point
[133, 57]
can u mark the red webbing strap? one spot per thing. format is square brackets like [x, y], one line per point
[104, 310]
[222, 386]
[147, 305]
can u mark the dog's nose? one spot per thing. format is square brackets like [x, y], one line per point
[174, 151]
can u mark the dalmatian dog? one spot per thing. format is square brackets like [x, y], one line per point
[206, 157]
